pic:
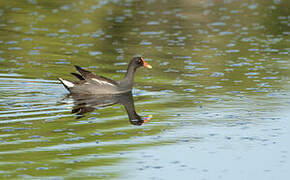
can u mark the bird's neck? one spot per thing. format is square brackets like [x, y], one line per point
[129, 76]
[128, 103]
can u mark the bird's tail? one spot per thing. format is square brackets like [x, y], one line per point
[66, 84]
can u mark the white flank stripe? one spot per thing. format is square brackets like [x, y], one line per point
[102, 82]
[67, 83]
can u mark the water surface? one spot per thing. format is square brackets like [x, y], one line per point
[218, 92]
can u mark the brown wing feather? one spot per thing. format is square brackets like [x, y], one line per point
[80, 77]
[87, 75]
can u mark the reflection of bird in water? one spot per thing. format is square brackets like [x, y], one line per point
[91, 83]
[87, 103]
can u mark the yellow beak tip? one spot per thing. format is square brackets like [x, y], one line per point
[149, 67]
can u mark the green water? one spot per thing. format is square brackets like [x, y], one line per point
[218, 92]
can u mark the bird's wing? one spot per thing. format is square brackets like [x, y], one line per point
[94, 78]
[80, 77]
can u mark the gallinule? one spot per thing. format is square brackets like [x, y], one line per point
[91, 83]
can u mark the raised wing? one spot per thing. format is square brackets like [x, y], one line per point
[92, 77]
[80, 77]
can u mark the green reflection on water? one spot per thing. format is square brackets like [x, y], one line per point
[201, 53]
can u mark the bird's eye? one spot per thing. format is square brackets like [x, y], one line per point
[140, 61]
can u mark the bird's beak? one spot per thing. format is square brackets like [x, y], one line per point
[146, 119]
[145, 64]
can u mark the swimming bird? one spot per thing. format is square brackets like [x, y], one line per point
[91, 83]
